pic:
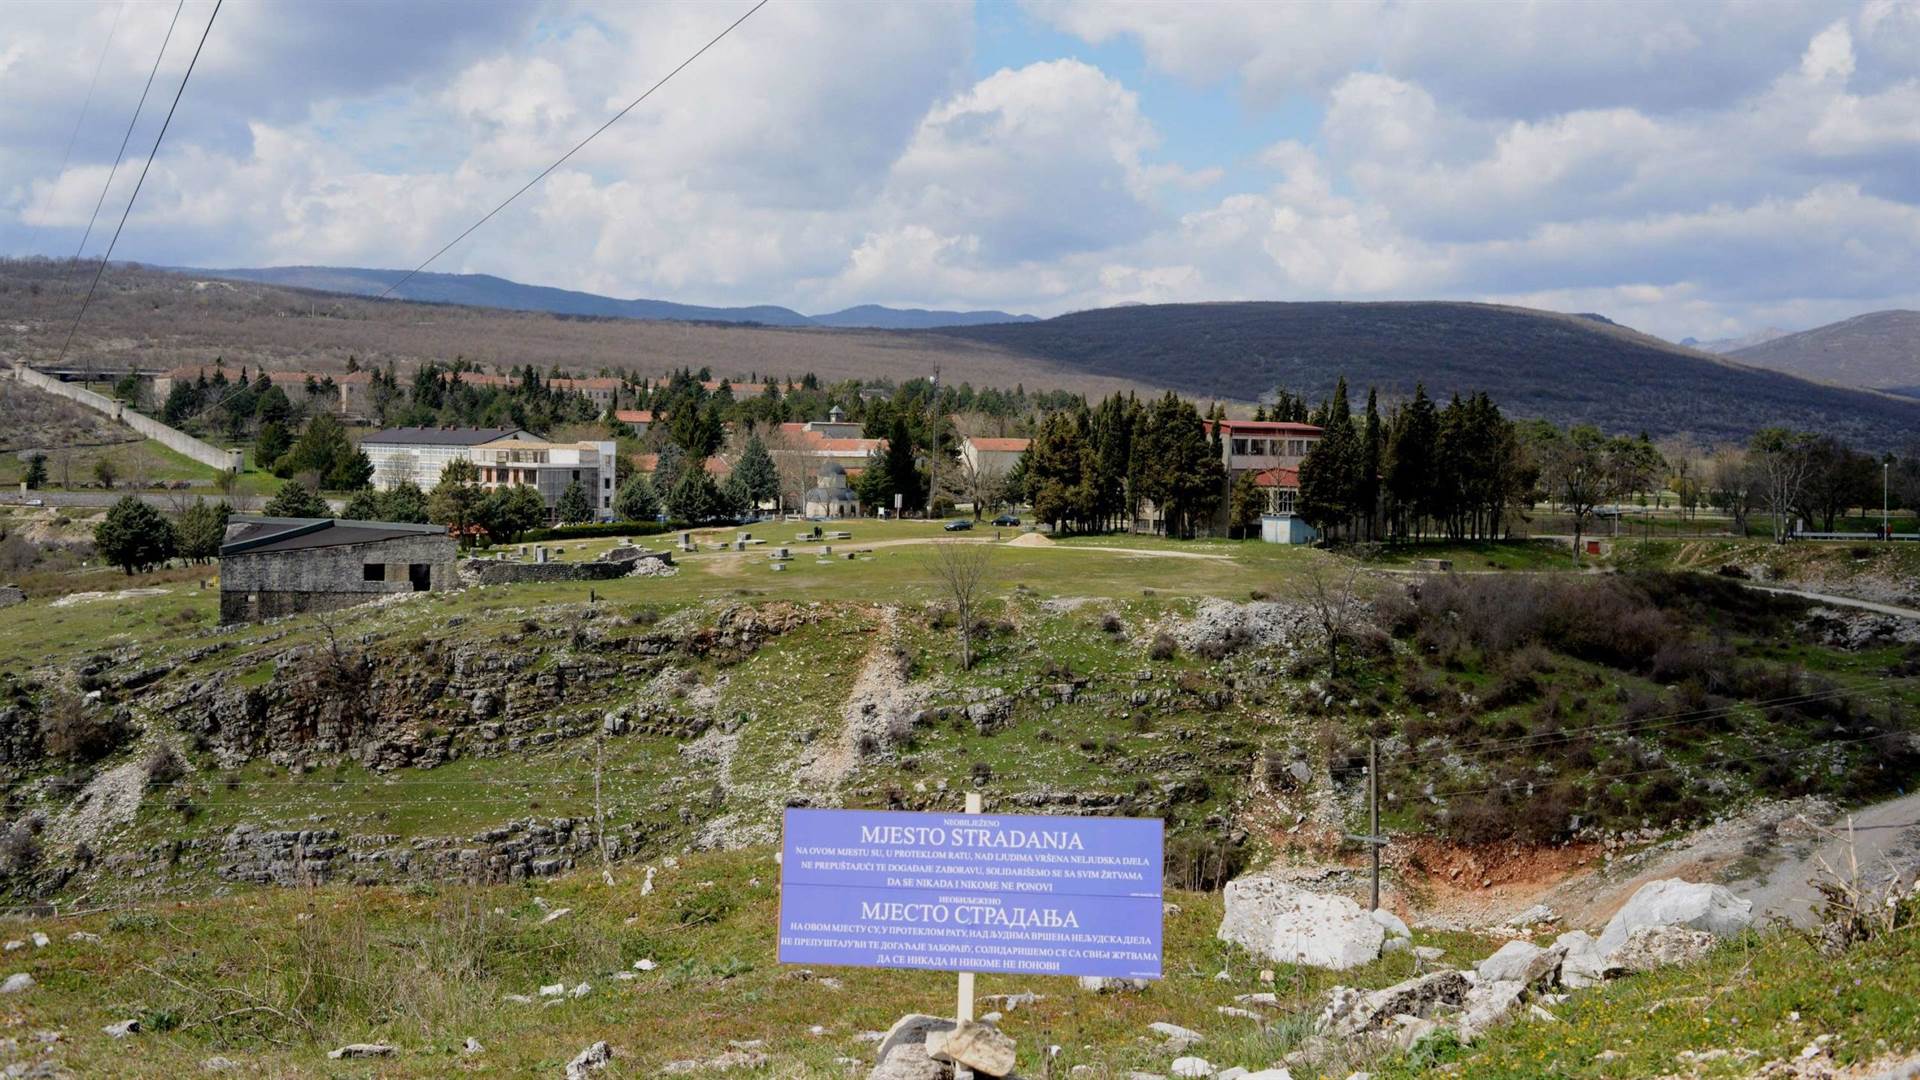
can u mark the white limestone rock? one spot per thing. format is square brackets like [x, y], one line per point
[1648, 948]
[1672, 902]
[1281, 922]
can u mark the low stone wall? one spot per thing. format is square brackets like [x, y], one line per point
[508, 572]
[172, 438]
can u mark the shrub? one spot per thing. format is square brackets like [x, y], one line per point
[19, 849]
[163, 765]
[71, 730]
[1111, 623]
[1162, 648]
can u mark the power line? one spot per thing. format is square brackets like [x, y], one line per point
[576, 149]
[124, 214]
[124, 139]
[1529, 742]
[80, 121]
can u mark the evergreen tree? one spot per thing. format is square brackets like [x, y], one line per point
[668, 466]
[36, 475]
[271, 447]
[636, 500]
[509, 512]
[404, 502]
[759, 477]
[134, 537]
[695, 498]
[364, 506]
[296, 500]
[1245, 505]
[1176, 466]
[1056, 473]
[1410, 470]
[735, 499]
[574, 506]
[457, 500]
[324, 450]
[200, 529]
[1372, 450]
[1329, 475]
[900, 471]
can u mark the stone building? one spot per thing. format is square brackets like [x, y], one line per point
[281, 566]
[833, 498]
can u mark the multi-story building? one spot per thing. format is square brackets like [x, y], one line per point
[988, 456]
[549, 468]
[415, 455]
[1272, 451]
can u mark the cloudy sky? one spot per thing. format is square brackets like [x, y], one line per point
[1699, 169]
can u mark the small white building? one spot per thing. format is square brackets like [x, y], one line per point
[832, 498]
[1286, 529]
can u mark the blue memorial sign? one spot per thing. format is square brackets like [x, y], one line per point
[972, 892]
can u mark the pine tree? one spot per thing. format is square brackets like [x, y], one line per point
[668, 465]
[200, 529]
[296, 500]
[759, 477]
[507, 513]
[636, 500]
[574, 507]
[1372, 450]
[270, 447]
[457, 500]
[694, 498]
[134, 537]
[36, 475]
[1410, 471]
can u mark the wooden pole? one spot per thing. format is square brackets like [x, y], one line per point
[1373, 816]
[963, 1007]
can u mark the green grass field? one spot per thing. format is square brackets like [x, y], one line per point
[274, 979]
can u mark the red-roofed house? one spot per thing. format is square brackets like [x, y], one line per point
[637, 419]
[984, 455]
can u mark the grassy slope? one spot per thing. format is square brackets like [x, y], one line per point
[276, 978]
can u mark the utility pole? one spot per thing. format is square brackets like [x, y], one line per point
[1886, 525]
[933, 455]
[1373, 839]
[1373, 815]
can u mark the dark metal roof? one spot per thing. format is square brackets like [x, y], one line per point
[247, 534]
[440, 436]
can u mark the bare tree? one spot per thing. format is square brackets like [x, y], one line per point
[1328, 589]
[960, 571]
[1781, 465]
[1577, 473]
[795, 467]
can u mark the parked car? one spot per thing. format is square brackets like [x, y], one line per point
[959, 525]
[1005, 520]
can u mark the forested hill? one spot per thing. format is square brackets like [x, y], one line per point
[1565, 368]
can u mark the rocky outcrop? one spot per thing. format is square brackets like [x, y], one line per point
[1289, 925]
[1673, 902]
[516, 851]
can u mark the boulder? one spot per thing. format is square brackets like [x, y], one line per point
[1583, 964]
[1651, 947]
[980, 1047]
[1277, 921]
[909, 1030]
[909, 1061]
[1353, 1013]
[1102, 984]
[1178, 1038]
[1522, 962]
[1391, 923]
[1192, 1066]
[1487, 1006]
[1673, 902]
[353, 1051]
[591, 1060]
[122, 1029]
[17, 983]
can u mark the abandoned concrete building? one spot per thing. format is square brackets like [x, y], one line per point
[273, 566]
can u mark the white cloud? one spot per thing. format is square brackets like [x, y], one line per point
[1684, 169]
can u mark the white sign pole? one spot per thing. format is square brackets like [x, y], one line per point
[963, 1010]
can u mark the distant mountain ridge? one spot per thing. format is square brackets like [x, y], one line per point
[1567, 368]
[486, 290]
[1723, 346]
[1880, 349]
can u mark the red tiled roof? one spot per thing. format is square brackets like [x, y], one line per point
[1278, 477]
[634, 416]
[649, 463]
[1266, 427]
[1001, 446]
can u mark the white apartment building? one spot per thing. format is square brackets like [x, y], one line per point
[504, 456]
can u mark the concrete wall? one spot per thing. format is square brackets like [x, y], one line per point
[493, 572]
[263, 584]
[173, 439]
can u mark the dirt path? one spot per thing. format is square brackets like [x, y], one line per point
[1885, 845]
[1766, 855]
[876, 710]
[1840, 601]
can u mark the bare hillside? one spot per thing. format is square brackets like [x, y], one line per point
[152, 318]
[1878, 349]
